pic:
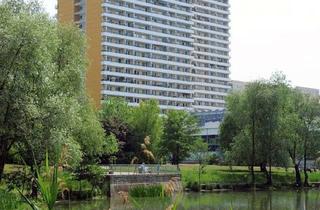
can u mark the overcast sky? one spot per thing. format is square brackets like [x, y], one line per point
[272, 35]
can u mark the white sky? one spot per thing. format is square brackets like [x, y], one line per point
[272, 35]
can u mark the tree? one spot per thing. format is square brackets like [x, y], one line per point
[180, 128]
[290, 125]
[146, 121]
[43, 105]
[309, 115]
[242, 109]
[115, 117]
[89, 133]
[26, 52]
[145, 154]
[254, 116]
[272, 106]
[200, 150]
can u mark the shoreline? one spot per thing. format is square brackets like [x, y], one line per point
[217, 188]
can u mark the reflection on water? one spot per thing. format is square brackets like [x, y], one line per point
[263, 200]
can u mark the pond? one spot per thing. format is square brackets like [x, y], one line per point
[260, 200]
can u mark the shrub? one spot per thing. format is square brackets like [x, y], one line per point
[195, 187]
[214, 159]
[94, 175]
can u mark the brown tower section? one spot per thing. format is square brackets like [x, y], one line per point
[92, 28]
[93, 31]
[65, 11]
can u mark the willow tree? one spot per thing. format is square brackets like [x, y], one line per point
[309, 131]
[250, 131]
[243, 116]
[42, 94]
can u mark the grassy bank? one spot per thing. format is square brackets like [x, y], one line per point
[213, 174]
[239, 175]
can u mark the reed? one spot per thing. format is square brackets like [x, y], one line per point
[48, 185]
[147, 191]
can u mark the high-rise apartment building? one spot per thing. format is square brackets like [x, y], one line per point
[175, 51]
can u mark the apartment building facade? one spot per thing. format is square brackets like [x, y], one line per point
[174, 51]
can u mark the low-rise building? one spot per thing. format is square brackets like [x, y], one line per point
[210, 120]
[209, 127]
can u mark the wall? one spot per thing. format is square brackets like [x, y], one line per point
[125, 182]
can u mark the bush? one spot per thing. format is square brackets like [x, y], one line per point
[214, 159]
[194, 186]
[147, 191]
[18, 180]
[94, 175]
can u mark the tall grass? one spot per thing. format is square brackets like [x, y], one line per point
[147, 191]
[9, 201]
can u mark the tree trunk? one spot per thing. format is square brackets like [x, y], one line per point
[306, 183]
[199, 176]
[3, 158]
[269, 182]
[177, 158]
[298, 176]
[263, 168]
[34, 185]
[253, 183]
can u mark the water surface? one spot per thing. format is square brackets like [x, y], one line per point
[260, 200]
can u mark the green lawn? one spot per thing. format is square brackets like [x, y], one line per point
[213, 174]
[9, 168]
[239, 175]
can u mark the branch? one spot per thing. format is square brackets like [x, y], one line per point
[21, 45]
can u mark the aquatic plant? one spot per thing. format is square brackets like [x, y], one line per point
[147, 191]
[48, 185]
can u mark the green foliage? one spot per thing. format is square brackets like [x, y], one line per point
[178, 139]
[89, 133]
[147, 191]
[130, 126]
[47, 181]
[200, 149]
[43, 102]
[111, 144]
[114, 116]
[91, 178]
[117, 108]
[270, 122]
[9, 201]
[48, 184]
[19, 179]
[253, 131]
[146, 155]
[146, 121]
